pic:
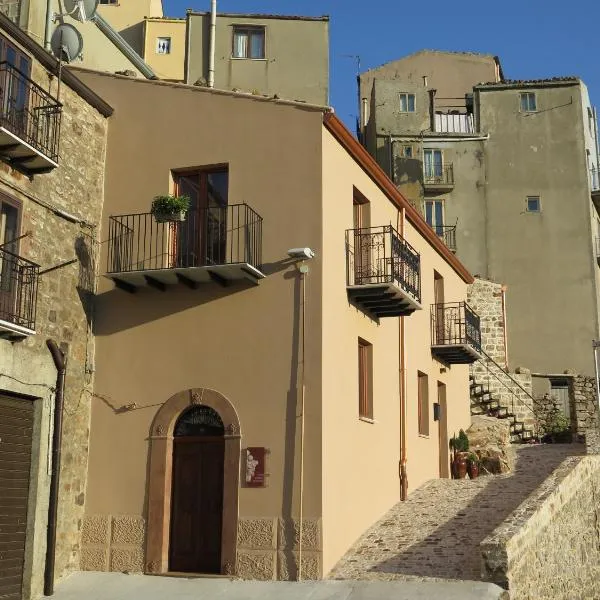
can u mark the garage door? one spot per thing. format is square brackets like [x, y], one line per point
[16, 428]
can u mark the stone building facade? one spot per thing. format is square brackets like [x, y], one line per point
[59, 213]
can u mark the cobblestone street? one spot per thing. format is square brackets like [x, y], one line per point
[436, 533]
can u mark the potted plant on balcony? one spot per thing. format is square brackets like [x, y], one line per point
[170, 208]
[460, 447]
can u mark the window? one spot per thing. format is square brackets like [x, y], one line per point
[528, 102]
[109, 2]
[365, 379]
[434, 215]
[433, 162]
[533, 204]
[248, 42]
[407, 102]
[406, 151]
[163, 45]
[423, 404]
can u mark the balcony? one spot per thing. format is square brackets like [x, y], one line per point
[454, 122]
[446, 233]
[455, 333]
[29, 123]
[595, 187]
[18, 296]
[597, 249]
[383, 272]
[437, 177]
[216, 244]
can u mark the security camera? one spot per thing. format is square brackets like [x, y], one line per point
[301, 253]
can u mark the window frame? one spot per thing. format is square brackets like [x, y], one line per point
[433, 203]
[158, 41]
[539, 204]
[407, 95]
[249, 30]
[404, 148]
[423, 404]
[365, 380]
[528, 96]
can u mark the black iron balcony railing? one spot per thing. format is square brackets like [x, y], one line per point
[29, 112]
[379, 255]
[447, 233]
[211, 236]
[455, 325]
[18, 291]
[438, 175]
[595, 179]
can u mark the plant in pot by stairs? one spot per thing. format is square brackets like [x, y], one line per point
[473, 465]
[557, 429]
[460, 448]
[170, 208]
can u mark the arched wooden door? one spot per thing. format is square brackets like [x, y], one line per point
[197, 492]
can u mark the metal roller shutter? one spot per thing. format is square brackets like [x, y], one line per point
[16, 430]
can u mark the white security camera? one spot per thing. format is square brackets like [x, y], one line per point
[301, 253]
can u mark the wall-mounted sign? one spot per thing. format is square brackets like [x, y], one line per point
[255, 467]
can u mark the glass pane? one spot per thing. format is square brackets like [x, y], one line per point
[437, 163]
[218, 188]
[532, 104]
[257, 48]
[428, 156]
[408, 151]
[199, 421]
[240, 44]
[533, 204]
[429, 213]
[403, 104]
[411, 103]
[439, 218]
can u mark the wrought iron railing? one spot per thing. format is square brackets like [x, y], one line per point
[437, 174]
[447, 233]
[18, 289]
[376, 255]
[455, 324]
[595, 179]
[209, 236]
[29, 112]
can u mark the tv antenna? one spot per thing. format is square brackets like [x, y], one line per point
[66, 43]
[81, 10]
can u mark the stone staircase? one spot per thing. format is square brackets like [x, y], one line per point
[490, 403]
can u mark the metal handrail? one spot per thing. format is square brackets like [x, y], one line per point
[436, 174]
[455, 323]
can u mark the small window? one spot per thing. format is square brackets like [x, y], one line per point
[423, 404]
[109, 1]
[365, 379]
[406, 151]
[533, 204]
[163, 45]
[248, 42]
[407, 102]
[528, 102]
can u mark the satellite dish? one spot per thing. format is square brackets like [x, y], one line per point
[66, 43]
[82, 10]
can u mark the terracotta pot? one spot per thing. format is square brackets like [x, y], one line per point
[459, 466]
[473, 469]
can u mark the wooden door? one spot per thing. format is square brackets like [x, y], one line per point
[197, 505]
[443, 432]
[362, 240]
[16, 431]
[438, 298]
[9, 269]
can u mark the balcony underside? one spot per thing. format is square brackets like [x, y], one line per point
[162, 279]
[456, 354]
[13, 332]
[596, 200]
[383, 300]
[435, 187]
[22, 155]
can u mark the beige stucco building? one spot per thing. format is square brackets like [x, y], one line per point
[490, 162]
[314, 379]
[272, 55]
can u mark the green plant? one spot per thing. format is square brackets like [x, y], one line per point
[473, 458]
[557, 423]
[460, 443]
[170, 204]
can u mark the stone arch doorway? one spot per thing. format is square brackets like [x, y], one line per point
[192, 415]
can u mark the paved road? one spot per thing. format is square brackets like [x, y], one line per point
[436, 533]
[117, 586]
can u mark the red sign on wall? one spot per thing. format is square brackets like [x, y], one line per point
[255, 467]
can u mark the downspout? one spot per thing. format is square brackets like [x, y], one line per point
[61, 368]
[402, 376]
[119, 41]
[212, 43]
[48, 25]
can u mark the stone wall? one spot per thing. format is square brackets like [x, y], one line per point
[485, 298]
[550, 548]
[584, 411]
[64, 313]
[267, 548]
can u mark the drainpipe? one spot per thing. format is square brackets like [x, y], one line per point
[212, 40]
[402, 376]
[61, 368]
[48, 25]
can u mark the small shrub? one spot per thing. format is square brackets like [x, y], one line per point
[170, 204]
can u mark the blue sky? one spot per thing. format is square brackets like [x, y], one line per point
[533, 38]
